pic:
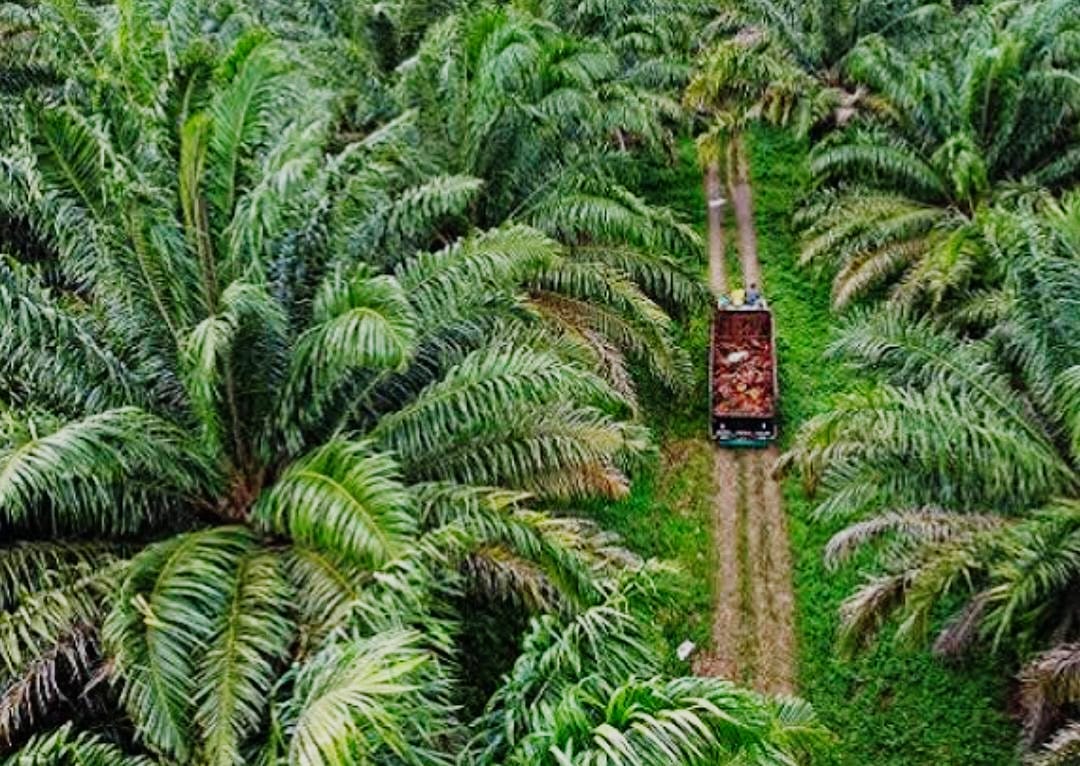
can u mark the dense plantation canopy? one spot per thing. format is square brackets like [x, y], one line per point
[314, 321]
[322, 321]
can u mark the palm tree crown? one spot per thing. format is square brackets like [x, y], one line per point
[900, 200]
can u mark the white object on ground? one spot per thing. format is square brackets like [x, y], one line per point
[736, 356]
[686, 648]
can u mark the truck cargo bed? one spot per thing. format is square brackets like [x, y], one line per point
[742, 363]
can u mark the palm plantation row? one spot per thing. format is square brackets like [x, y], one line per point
[946, 164]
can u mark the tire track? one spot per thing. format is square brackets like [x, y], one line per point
[742, 203]
[756, 573]
[753, 637]
[717, 246]
[722, 658]
[776, 602]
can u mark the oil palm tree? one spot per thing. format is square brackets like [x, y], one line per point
[269, 409]
[966, 461]
[576, 694]
[614, 292]
[230, 450]
[536, 115]
[900, 201]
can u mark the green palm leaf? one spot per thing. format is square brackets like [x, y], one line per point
[169, 609]
[488, 381]
[354, 700]
[65, 747]
[68, 479]
[343, 498]
[244, 658]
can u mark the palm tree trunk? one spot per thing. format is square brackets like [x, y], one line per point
[715, 202]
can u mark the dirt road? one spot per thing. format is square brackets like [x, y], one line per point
[742, 204]
[714, 199]
[753, 638]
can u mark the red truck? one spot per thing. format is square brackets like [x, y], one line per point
[742, 371]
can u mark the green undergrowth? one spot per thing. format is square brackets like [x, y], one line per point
[889, 706]
[666, 517]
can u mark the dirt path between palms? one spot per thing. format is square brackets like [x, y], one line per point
[742, 205]
[753, 638]
[714, 200]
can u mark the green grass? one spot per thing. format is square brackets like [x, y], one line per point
[889, 706]
[667, 517]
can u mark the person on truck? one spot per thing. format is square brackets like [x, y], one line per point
[738, 298]
[723, 301]
[753, 295]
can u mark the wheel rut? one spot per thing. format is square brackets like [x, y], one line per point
[753, 637]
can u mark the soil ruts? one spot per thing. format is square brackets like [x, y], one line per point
[753, 636]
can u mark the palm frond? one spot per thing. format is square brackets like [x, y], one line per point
[344, 498]
[240, 116]
[927, 525]
[209, 355]
[65, 747]
[244, 658]
[485, 384]
[1061, 750]
[596, 297]
[47, 619]
[360, 323]
[28, 567]
[71, 157]
[168, 610]
[1050, 683]
[362, 699]
[552, 561]
[58, 675]
[1043, 567]
[447, 282]
[418, 211]
[67, 479]
[327, 588]
[54, 355]
[881, 163]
